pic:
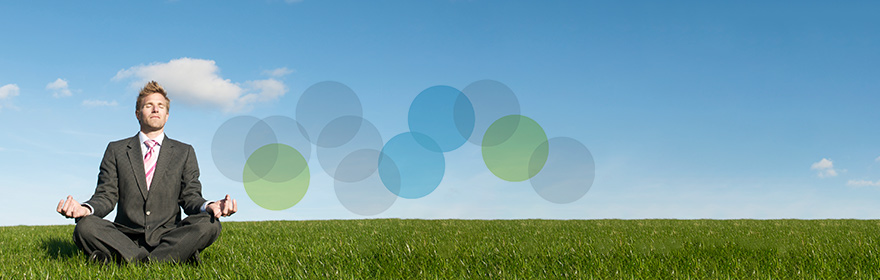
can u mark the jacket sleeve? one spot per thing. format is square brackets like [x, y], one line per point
[190, 198]
[107, 192]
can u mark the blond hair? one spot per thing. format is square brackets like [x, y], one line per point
[151, 88]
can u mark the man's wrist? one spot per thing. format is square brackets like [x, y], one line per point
[204, 207]
[88, 207]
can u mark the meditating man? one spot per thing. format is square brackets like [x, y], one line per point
[150, 177]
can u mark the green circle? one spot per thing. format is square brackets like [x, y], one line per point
[268, 192]
[512, 148]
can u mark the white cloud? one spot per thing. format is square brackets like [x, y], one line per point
[99, 103]
[877, 159]
[59, 88]
[863, 183]
[269, 89]
[197, 81]
[6, 93]
[823, 164]
[825, 168]
[277, 73]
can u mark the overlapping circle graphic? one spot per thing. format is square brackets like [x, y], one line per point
[368, 196]
[238, 138]
[568, 170]
[491, 100]
[444, 115]
[324, 102]
[410, 165]
[270, 156]
[513, 148]
[276, 189]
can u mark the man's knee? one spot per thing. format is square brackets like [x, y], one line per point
[87, 227]
[206, 225]
[88, 231]
[211, 228]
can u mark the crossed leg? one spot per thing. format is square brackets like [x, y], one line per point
[191, 235]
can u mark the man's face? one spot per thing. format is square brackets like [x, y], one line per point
[153, 113]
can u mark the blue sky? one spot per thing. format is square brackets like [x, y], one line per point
[690, 109]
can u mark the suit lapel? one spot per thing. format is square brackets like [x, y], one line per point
[137, 164]
[166, 153]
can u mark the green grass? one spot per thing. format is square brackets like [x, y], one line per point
[602, 249]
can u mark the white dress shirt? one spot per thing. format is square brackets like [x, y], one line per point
[143, 138]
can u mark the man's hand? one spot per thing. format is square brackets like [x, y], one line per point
[224, 207]
[72, 209]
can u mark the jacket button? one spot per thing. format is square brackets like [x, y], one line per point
[148, 213]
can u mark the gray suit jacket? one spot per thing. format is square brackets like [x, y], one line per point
[150, 213]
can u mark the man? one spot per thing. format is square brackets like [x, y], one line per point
[151, 177]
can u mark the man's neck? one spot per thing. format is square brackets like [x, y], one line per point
[153, 134]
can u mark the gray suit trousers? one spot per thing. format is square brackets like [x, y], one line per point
[191, 235]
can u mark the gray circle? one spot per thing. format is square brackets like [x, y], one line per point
[290, 132]
[226, 147]
[339, 131]
[261, 134]
[491, 101]
[366, 137]
[277, 130]
[324, 102]
[365, 197]
[568, 173]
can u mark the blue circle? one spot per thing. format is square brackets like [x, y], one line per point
[409, 165]
[445, 115]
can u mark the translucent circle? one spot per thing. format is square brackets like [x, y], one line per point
[519, 153]
[491, 101]
[444, 114]
[366, 197]
[409, 169]
[339, 131]
[366, 137]
[289, 132]
[268, 191]
[568, 172]
[324, 102]
[276, 129]
[260, 136]
[226, 147]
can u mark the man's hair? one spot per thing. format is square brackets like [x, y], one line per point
[151, 88]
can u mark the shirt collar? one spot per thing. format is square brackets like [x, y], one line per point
[143, 138]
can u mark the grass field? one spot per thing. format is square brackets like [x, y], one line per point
[601, 249]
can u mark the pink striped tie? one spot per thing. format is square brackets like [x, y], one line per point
[150, 161]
